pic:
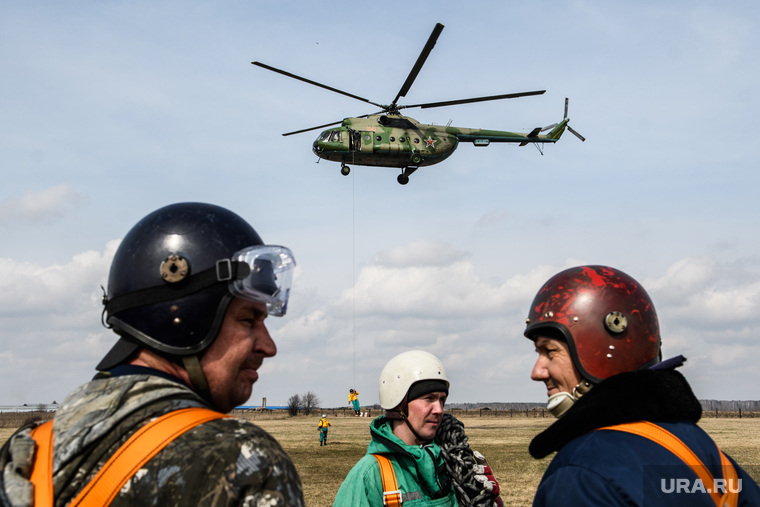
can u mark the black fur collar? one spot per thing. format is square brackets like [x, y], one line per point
[652, 395]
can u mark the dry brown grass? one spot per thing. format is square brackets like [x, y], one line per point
[504, 441]
[5, 433]
[739, 438]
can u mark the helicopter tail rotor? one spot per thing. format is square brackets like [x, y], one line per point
[576, 134]
[558, 128]
[566, 120]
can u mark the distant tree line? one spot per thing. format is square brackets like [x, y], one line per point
[306, 403]
[707, 405]
[730, 405]
[497, 405]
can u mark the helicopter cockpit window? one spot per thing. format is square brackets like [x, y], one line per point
[335, 136]
[324, 135]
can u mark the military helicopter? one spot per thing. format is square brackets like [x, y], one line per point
[389, 139]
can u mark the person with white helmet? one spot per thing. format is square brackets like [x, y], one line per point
[404, 462]
[323, 426]
[627, 430]
[413, 390]
[189, 289]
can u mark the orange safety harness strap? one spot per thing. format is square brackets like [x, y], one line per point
[391, 493]
[122, 465]
[42, 473]
[669, 441]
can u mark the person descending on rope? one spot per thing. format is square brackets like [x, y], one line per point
[353, 399]
[323, 425]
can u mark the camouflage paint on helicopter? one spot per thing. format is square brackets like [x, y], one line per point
[402, 142]
[388, 141]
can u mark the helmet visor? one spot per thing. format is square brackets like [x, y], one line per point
[269, 279]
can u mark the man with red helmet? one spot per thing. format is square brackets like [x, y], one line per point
[626, 418]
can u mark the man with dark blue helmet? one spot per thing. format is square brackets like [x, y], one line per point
[189, 290]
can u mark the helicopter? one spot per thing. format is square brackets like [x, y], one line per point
[389, 139]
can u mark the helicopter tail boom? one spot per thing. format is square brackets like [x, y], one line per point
[557, 131]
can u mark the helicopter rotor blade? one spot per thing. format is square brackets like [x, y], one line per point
[420, 62]
[576, 133]
[567, 103]
[475, 99]
[288, 74]
[326, 125]
[549, 127]
[312, 128]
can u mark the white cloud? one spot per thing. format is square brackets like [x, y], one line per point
[41, 206]
[493, 219]
[420, 253]
[708, 292]
[56, 289]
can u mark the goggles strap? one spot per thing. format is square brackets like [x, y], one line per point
[223, 271]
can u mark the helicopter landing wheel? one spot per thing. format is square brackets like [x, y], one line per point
[403, 179]
[344, 170]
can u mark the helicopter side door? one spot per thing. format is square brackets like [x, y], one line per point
[360, 141]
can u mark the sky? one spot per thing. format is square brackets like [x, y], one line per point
[110, 110]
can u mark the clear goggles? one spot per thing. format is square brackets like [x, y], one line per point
[262, 274]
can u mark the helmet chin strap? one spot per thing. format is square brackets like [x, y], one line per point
[197, 377]
[561, 402]
[399, 413]
[417, 436]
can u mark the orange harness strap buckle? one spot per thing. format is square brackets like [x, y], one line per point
[391, 493]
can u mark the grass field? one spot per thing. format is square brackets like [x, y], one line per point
[504, 442]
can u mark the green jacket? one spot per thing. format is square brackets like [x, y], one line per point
[420, 471]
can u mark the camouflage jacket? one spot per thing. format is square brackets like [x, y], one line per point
[223, 462]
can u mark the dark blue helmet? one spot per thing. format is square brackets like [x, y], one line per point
[175, 273]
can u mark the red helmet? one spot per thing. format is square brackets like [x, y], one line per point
[605, 316]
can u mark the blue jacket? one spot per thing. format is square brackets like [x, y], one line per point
[608, 468]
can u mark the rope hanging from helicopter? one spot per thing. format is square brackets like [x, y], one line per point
[353, 269]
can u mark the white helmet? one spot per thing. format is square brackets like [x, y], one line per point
[405, 369]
